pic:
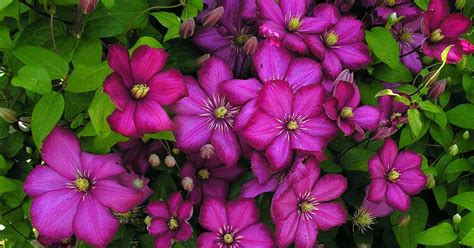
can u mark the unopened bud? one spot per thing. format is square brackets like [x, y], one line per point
[138, 183]
[3, 71]
[154, 160]
[430, 181]
[147, 221]
[453, 150]
[251, 45]
[460, 4]
[213, 17]
[29, 150]
[457, 219]
[437, 89]
[175, 151]
[467, 47]
[466, 135]
[87, 6]
[404, 220]
[8, 115]
[186, 29]
[170, 161]
[207, 151]
[187, 184]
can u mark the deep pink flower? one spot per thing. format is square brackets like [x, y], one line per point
[134, 181]
[170, 220]
[343, 107]
[393, 114]
[206, 116]
[383, 9]
[379, 210]
[395, 176]
[76, 192]
[307, 206]
[442, 29]
[341, 45]
[285, 122]
[287, 21]
[137, 153]
[409, 38]
[234, 224]
[211, 178]
[139, 88]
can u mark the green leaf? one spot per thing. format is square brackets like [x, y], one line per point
[46, 114]
[5, 41]
[5, 3]
[130, 13]
[468, 85]
[459, 165]
[423, 4]
[104, 26]
[88, 52]
[34, 78]
[6, 185]
[4, 165]
[146, 40]
[384, 46]
[356, 159]
[469, 238]
[443, 136]
[54, 64]
[165, 135]
[393, 75]
[440, 196]
[438, 235]
[414, 120]
[465, 199]
[100, 108]
[170, 21]
[430, 107]
[406, 235]
[462, 116]
[87, 77]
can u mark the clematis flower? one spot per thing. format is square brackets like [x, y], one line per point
[341, 45]
[287, 22]
[343, 107]
[139, 88]
[76, 192]
[285, 122]
[271, 62]
[306, 207]
[211, 178]
[137, 153]
[442, 29]
[169, 220]
[206, 116]
[395, 176]
[383, 9]
[134, 181]
[233, 224]
[409, 39]
[227, 40]
[393, 114]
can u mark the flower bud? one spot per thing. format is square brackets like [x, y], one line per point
[175, 151]
[467, 47]
[213, 17]
[437, 89]
[154, 160]
[29, 150]
[8, 115]
[207, 151]
[170, 161]
[457, 219]
[460, 4]
[430, 181]
[138, 183]
[187, 184]
[186, 29]
[404, 220]
[3, 71]
[87, 6]
[466, 135]
[251, 45]
[147, 221]
[453, 150]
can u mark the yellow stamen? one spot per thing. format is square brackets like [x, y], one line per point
[220, 112]
[393, 175]
[331, 38]
[82, 184]
[228, 238]
[241, 38]
[173, 224]
[346, 112]
[139, 91]
[203, 174]
[306, 207]
[292, 125]
[405, 36]
[437, 35]
[294, 24]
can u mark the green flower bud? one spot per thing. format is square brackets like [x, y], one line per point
[453, 150]
[430, 181]
[466, 135]
[460, 4]
[457, 219]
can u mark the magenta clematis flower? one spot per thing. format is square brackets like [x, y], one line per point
[341, 45]
[442, 29]
[134, 181]
[409, 39]
[383, 9]
[343, 107]
[379, 210]
[287, 21]
[393, 114]
[271, 62]
[395, 176]
[76, 192]
[285, 122]
[211, 178]
[305, 207]
[233, 224]
[139, 89]
[206, 116]
[227, 41]
[137, 153]
[169, 220]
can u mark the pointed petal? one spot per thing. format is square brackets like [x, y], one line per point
[146, 62]
[315, 45]
[278, 152]
[115, 196]
[388, 153]
[377, 189]
[397, 198]
[440, 10]
[212, 74]
[207, 239]
[242, 212]
[118, 93]
[184, 232]
[271, 61]
[150, 117]
[407, 160]
[213, 214]
[275, 98]
[293, 7]
[253, 188]
[43, 179]
[329, 215]
[123, 122]
[102, 166]
[302, 72]
[261, 130]
[158, 209]
[192, 104]
[412, 181]
[332, 63]
[119, 61]
[167, 87]
[227, 146]
[306, 234]
[240, 91]
[175, 199]
[312, 25]
[309, 100]
[329, 187]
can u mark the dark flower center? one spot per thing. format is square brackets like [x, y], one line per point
[228, 238]
[173, 224]
[294, 24]
[346, 112]
[291, 125]
[436, 35]
[392, 175]
[139, 91]
[331, 38]
[82, 184]
[203, 174]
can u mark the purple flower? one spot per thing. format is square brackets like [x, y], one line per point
[395, 176]
[206, 116]
[379, 210]
[285, 122]
[227, 40]
[409, 39]
[134, 181]
[393, 114]
[211, 178]
[383, 9]
[343, 107]
[287, 21]
[305, 207]
[233, 224]
[139, 89]
[76, 192]
[341, 45]
[442, 29]
[170, 220]
[137, 153]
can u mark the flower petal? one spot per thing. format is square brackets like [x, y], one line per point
[185, 210]
[329, 187]
[167, 87]
[309, 100]
[329, 215]
[285, 230]
[212, 74]
[158, 209]
[295, 43]
[367, 117]
[213, 214]
[158, 226]
[397, 198]
[376, 168]
[184, 232]
[241, 91]
[377, 189]
[332, 63]
[227, 146]
[412, 181]
[123, 122]
[242, 212]
[207, 239]
[302, 72]
[209, 39]
[270, 10]
[175, 199]
[315, 45]
[349, 30]
[102, 166]
[327, 12]
[119, 61]
[192, 104]
[150, 117]
[306, 233]
[353, 56]
[256, 236]
[278, 153]
[261, 130]
[407, 160]
[192, 132]
[388, 153]
[118, 93]
[271, 61]
[146, 62]
[440, 10]
[312, 25]
[113, 195]
[43, 179]
[275, 98]
[285, 205]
